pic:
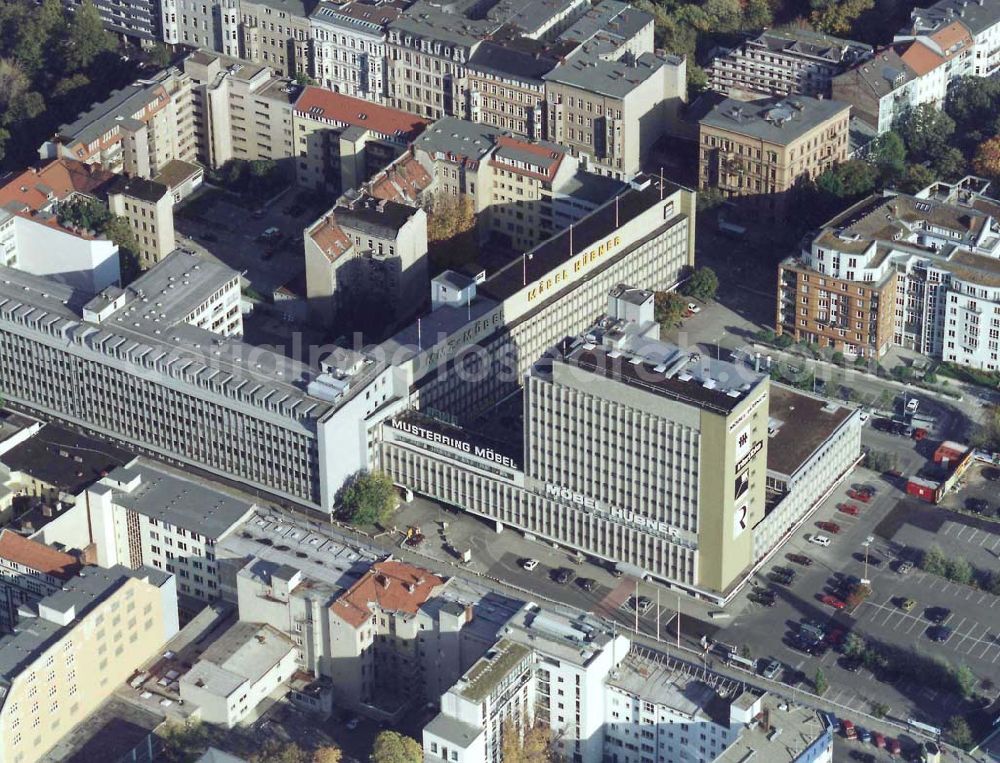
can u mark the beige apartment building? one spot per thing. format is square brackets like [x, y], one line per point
[148, 207]
[243, 110]
[367, 250]
[505, 89]
[275, 33]
[757, 150]
[341, 141]
[87, 639]
[138, 130]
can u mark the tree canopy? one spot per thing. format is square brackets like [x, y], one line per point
[392, 747]
[370, 499]
[703, 284]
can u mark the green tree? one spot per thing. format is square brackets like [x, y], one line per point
[879, 709]
[746, 651]
[276, 751]
[703, 284]
[668, 308]
[958, 570]
[392, 747]
[959, 733]
[889, 154]
[87, 37]
[848, 179]
[965, 680]
[820, 682]
[158, 56]
[370, 499]
[758, 14]
[934, 561]
[925, 131]
[950, 164]
[327, 754]
[184, 742]
[854, 644]
[916, 178]
[301, 78]
[835, 17]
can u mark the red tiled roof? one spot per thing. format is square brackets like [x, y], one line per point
[61, 177]
[320, 103]
[402, 181]
[37, 556]
[953, 39]
[330, 237]
[392, 586]
[548, 158]
[921, 59]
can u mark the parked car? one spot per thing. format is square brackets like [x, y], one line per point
[878, 740]
[830, 527]
[848, 730]
[977, 505]
[939, 633]
[904, 567]
[641, 604]
[848, 508]
[802, 559]
[937, 615]
[907, 605]
[859, 495]
[770, 668]
[529, 564]
[894, 747]
[693, 307]
[864, 735]
[851, 664]
[352, 723]
[912, 404]
[587, 584]
[765, 598]
[819, 540]
[563, 575]
[258, 214]
[831, 601]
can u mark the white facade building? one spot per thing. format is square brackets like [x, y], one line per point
[349, 47]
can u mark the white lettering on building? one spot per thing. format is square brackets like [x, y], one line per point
[479, 451]
[624, 516]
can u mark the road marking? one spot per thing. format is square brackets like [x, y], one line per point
[995, 544]
[961, 530]
[956, 629]
[974, 533]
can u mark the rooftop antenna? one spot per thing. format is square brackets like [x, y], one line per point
[661, 182]
[571, 239]
[524, 268]
[616, 210]
[420, 342]
[468, 305]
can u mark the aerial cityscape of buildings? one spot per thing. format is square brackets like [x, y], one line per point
[464, 376]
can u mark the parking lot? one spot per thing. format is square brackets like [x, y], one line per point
[217, 224]
[978, 491]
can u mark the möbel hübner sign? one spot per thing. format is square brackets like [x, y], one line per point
[624, 516]
[479, 451]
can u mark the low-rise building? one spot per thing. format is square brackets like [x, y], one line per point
[148, 208]
[29, 571]
[238, 671]
[242, 109]
[341, 141]
[136, 130]
[756, 151]
[74, 648]
[917, 271]
[782, 62]
[367, 251]
[31, 234]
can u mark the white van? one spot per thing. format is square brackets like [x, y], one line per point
[819, 540]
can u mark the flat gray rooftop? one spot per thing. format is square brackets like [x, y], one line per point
[189, 504]
[451, 135]
[779, 121]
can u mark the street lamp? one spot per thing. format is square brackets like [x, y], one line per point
[868, 541]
